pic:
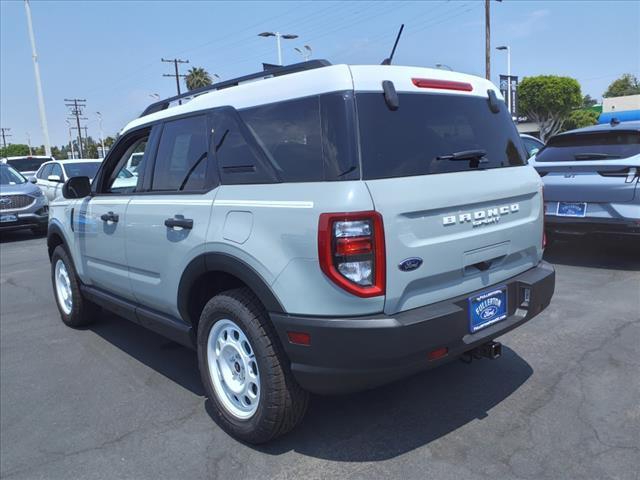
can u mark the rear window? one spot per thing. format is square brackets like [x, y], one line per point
[420, 137]
[27, 164]
[608, 145]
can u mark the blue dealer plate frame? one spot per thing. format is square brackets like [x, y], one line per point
[487, 308]
[572, 209]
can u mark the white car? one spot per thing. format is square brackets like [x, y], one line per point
[51, 175]
[27, 165]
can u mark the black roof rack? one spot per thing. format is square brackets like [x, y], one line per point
[268, 72]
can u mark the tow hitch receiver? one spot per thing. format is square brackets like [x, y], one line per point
[490, 350]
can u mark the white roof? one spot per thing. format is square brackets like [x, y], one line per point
[317, 81]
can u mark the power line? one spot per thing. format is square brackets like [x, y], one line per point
[76, 105]
[175, 62]
[4, 135]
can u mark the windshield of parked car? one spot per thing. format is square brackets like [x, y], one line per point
[9, 176]
[85, 169]
[27, 164]
[604, 145]
[434, 133]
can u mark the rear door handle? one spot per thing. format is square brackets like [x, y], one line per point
[109, 217]
[179, 221]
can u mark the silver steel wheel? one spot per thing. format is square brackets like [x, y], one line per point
[63, 287]
[233, 369]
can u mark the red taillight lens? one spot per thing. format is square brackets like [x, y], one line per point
[354, 246]
[351, 251]
[442, 84]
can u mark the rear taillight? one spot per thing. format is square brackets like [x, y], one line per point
[442, 84]
[351, 251]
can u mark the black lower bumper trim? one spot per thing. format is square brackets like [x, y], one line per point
[587, 226]
[352, 354]
[25, 220]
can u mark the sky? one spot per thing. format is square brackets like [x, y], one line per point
[108, 52]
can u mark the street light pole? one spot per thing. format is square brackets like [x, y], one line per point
[73, 154]
[101, 135]
[305, 51]
[508, 49]
[36, 69]
[278, 35]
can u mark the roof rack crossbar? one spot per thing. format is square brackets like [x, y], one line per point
[268, 72]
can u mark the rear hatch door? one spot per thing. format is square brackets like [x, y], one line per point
[474, 219]
[591, 166]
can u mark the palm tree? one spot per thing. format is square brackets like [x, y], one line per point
[197, 77]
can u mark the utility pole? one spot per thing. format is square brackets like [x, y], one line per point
[4, 136]
[36, 69]
[76, 111]
[487, 38]
[175, 62]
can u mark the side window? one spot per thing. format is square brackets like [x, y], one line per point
[56, 170]
[530, 146]
[120, 178]
[181, 161]
[43, 173]
[291, 134]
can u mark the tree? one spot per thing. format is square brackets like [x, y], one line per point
[548, 100]
[627, 84]
[588, 102]
[197, 77]
[580, 118]
[14, 150]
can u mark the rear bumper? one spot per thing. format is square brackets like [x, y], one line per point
[591, 225]
[351, 354]
[25, 220]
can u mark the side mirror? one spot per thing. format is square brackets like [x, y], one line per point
[76, 187]
[33, 180]
[54, 178]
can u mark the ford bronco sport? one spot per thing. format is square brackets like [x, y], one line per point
[311, 228]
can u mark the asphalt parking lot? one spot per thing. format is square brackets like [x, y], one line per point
[117, 401]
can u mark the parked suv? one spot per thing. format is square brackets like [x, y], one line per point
[591, 177]
[22, 204]
[313, 228]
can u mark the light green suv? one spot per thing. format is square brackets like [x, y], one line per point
[312, 228]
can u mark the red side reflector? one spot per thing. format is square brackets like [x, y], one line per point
[442, 84]
[299, 338]
[438, 353]
[354, 246]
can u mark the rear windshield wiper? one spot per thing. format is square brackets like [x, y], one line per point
[466, 155]
[594, 156]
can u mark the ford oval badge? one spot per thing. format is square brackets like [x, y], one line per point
[410, 264]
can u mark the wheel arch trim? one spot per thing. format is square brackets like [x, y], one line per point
[229, 264]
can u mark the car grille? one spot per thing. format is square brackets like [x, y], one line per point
[14, 202]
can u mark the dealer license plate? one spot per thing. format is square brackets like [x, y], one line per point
[8, 218]
[487, 308]
[571, 209]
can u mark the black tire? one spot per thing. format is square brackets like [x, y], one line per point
[83, 312]
[282, 402]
